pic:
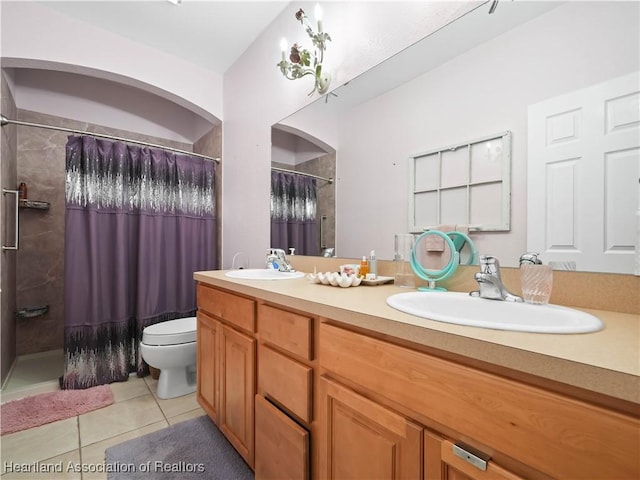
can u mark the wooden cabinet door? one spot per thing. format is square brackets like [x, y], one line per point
[237, 389]
[441, 463]
[367, 440]
[282, 446]
[208, 365]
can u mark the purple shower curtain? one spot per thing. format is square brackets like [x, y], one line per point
[139, 222]
[293, 213]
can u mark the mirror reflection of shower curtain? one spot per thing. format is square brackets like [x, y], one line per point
[293, 213]
[139, 221]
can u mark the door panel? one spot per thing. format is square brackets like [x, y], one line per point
[207, 372]
[237, 390]
[583, 167]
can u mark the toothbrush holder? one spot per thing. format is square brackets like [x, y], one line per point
[536, 281]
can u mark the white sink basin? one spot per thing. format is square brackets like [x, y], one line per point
[263, 274]
[462, 309]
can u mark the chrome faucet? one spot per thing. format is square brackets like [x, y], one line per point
[277, 259]
[490, 281]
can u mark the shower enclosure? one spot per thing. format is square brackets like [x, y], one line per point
[8, 280]
[32, 289]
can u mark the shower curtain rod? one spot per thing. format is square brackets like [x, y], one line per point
[5, 121]
[330, 180]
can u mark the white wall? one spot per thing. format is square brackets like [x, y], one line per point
[102, 102]
[39, 37]
[256, 96]
[482, 92]
[283, 147]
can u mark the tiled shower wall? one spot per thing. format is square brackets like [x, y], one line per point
[8, 179]
[324, 166]
[41, 255]
[210, 144]
[40, 263]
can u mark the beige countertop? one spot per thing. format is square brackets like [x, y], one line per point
[606, 362]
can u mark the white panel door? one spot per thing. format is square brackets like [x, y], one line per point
[583, 174]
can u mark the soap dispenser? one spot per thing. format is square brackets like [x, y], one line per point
[373, 266]
[364, 267]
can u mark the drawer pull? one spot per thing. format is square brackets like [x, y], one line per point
[474, 457]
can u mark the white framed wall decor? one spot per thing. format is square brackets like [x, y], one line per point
[463, 184]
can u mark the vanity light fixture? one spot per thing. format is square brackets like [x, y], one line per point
[301, 61]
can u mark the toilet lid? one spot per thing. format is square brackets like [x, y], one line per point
[171, 332]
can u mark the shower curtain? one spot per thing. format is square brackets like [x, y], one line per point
[139, 221]
[293, 213]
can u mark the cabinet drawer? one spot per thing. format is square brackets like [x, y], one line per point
[456, 467]
[285, 381]
[560, 436]
[234, 309]
[287, 330]
[282, 446]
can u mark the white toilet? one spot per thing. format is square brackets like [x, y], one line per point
[171, 347]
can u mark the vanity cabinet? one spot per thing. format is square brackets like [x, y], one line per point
[226, 356]
[302, 396]
[378, 394]
[284, 403]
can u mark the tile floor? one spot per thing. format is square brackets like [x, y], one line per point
[81, 441]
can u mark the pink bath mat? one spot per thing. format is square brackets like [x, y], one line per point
[49, 407]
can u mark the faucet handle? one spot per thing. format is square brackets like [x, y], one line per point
[530, 257]
[489, 264]
[486, 259]
[278, 259]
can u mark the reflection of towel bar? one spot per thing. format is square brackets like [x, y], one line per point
[323, 242]
[17, 227]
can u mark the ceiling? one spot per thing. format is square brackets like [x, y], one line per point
[210, 34]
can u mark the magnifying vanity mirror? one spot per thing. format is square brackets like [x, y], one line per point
[480, 75]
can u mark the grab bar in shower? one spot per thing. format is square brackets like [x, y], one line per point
[17, 228]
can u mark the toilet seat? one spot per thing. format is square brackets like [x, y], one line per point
[171, 332]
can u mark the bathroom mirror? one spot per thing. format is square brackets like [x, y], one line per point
[476, 76]
[299, 160]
